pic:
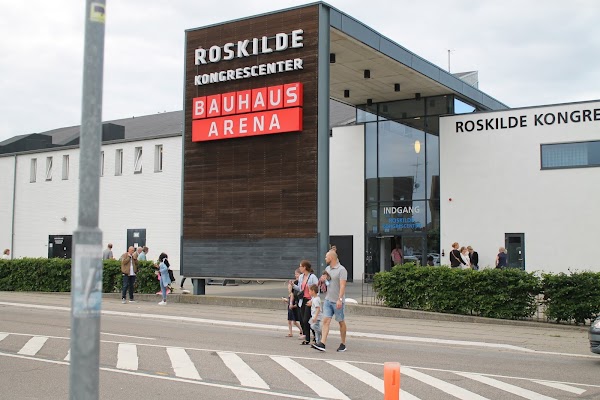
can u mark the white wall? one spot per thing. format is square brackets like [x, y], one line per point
[150, 200]
[7, 168]
[347, 190]
[496, 186]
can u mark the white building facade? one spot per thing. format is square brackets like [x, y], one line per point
[526, 180]
[140, 190]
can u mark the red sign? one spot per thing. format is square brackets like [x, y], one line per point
[251, 124]
[261, 111]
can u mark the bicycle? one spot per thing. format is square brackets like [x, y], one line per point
[257, 281]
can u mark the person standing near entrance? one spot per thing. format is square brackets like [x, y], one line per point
[334, 301]
[501, 258]
[474, 258]
[397, 256]
[107, 254]
[129, 267]
[142, 255]
[455, 258]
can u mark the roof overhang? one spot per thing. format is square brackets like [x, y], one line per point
[358, 48]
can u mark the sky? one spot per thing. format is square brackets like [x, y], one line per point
[527, 52]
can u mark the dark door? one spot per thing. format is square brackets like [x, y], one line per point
[515, 248]
[136, 238]
[59, 246]
[345, 251]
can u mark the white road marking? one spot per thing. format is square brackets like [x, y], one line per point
[33, 346]
[3, 335]
[68, 357]
[246, 375]
[516, 378]
[168, 378]
[507, 387]
[562, 386]
[446, 387]
[182, 364]
[317, 384]
[127, 357]
[127, 336]
[367, 378]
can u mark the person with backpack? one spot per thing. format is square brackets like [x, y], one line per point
[305, 280]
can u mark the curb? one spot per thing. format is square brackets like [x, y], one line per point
[351, 309]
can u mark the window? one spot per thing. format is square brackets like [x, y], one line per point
[101, 163]
[158, 158]
[33, 170]
[65, 169]
[48, 168]
[137, 161]
[571, 155]
[119, 162]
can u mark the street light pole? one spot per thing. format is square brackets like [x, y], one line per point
[86, 275]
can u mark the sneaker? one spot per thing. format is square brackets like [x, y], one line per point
[342, 347]
[132, 301]
[319, 346]
[162, 303]
[123, 301]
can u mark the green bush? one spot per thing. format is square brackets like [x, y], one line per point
[572, 297]
[54, 275]
[492, 293]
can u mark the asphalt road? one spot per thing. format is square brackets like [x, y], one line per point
[213, 352]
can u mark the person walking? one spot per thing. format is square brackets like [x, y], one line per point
[455, 258]
[473, 258]
[334, 301]
[164, 279]
[501, 258]
[305, 280]
[315, 312]
[107, 254]
[6, 254]
[397, 256]
[129, 268]
[292, 303]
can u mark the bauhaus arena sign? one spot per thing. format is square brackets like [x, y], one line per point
[261, 111]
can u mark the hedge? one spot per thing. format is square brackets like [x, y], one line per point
[507, 293]
[54, 275]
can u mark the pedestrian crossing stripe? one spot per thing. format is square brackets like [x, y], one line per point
[184, 368]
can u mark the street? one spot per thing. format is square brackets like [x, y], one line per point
[217, 352]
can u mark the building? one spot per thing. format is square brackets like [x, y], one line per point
[301, 128]
[523, 179]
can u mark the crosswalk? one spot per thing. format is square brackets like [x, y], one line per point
[298, 377]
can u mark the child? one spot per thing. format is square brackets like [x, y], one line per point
[293, 309]
[315, 312]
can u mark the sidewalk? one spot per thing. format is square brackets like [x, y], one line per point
[268, 296]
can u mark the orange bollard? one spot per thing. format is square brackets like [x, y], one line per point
[391, 381]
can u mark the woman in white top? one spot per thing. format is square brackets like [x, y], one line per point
[464, 254]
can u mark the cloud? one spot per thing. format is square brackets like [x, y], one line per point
[527, 53]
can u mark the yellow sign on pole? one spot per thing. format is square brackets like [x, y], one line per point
[97, 13]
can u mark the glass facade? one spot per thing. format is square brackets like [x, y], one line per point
[402, 169]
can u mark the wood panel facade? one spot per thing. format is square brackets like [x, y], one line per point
[250, 203]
